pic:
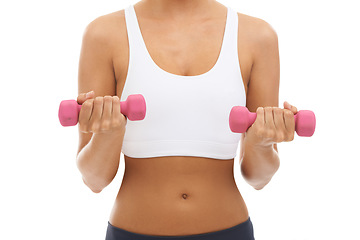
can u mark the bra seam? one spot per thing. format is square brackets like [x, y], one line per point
[172, 140]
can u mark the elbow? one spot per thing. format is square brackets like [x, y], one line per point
[94, 188]
[255, 180]
[258, 178]
[96, 191]
[256, 183]
[260, 186]
[97, 183]
[94, 180]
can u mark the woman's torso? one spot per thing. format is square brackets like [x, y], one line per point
[178, 195]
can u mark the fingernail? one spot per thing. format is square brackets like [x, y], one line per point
[88, 94]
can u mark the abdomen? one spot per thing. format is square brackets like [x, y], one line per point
[178, 196]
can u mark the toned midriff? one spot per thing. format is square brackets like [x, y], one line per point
[178, 196]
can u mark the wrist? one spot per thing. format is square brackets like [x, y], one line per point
[258, 145]
[264, 157]
[110, 136]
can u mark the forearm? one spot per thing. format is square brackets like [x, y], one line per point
[259, 164]
[98, 161]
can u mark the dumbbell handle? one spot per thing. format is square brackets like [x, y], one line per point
[240, 119]
[134, 108]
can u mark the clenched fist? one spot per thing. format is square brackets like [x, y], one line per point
[272, 125]
[100, 114]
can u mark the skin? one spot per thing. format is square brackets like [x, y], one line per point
[178, 195]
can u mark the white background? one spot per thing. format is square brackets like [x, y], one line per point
[315, 193]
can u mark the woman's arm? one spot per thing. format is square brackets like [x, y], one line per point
[259, 164]
[260, 160]
[100, 144]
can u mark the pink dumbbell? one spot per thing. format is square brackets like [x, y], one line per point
[134, 108]
[241, 119]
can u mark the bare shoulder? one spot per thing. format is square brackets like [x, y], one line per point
[107, 29]
[108, 34]
[256, 31]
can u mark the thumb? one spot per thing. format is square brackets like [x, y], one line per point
[292, 108]
[84, 96]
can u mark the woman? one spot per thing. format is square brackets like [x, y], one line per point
[192, 61]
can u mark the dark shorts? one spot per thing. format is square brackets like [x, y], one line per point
[242, 231]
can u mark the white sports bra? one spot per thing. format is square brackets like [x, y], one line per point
[185, 115]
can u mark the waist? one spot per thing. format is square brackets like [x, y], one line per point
[179, 192]
[181, 205]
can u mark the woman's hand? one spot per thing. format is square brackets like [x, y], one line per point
[272, 125]
[100, 114]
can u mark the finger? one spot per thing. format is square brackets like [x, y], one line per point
[260, 116]
[279, 119]
[84, 96]
[81, 98]
[294, 109]
[287, 105]
[107, 111]
[269, 117]
[85, 114]
[96, 114]
[289, 121]
[116, 111]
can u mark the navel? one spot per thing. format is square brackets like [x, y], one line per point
[184, 196]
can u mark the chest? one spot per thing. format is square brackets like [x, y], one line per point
[188, 51]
